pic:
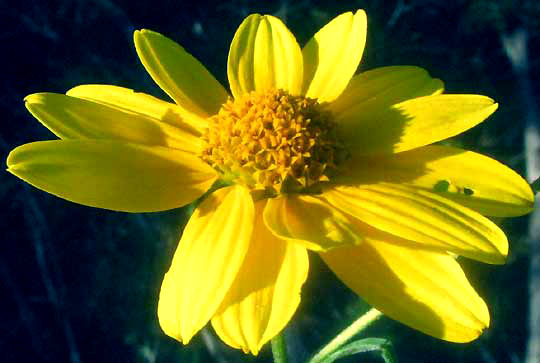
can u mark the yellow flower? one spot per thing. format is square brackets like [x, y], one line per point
[307, 156]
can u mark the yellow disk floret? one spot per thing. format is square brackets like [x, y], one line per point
[274, 141]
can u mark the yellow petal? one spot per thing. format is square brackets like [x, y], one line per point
[473, 180]
[310, 221]
[332, 56]
[179, 74]
[425, 290]
[264, 54]
[374, 90]
[208, 258]
[112, 175]
[75, 118]
[414, 123]
[266, 291]
[127, 100]
[423, 217]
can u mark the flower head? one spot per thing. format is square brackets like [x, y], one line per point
[309, 156]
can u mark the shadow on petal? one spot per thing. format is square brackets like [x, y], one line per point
[377, 135]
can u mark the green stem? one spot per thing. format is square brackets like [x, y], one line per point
[279, 348]
[356, 327]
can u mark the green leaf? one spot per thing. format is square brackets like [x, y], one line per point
[535, 186]
[363, 346]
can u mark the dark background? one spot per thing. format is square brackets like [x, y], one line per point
[81, 284]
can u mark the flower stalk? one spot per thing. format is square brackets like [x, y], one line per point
[279, 349]
[347, 334]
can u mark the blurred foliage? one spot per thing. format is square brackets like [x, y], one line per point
[81, 284]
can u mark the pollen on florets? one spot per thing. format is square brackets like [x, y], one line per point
[274, 141]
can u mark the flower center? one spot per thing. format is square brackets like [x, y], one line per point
[274, 141]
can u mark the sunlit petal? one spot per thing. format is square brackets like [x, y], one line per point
[473, 180]
[423, 217]
[75, 118]
[264, 54]
[332, 56]
[113, 175]
[266, 291]
[373, 90]
[426, 290]
[309, 221]
[207, 261]
[179, 74]
[128, 100]
[414, 123]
